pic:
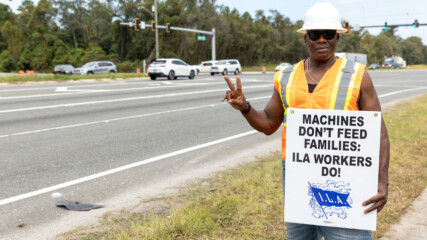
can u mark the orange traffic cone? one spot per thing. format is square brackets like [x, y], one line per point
[263, 69]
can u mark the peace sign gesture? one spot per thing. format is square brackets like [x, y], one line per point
[235, 97]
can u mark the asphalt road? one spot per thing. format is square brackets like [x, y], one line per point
[115, 143]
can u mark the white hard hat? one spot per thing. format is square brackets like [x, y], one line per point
[322, 16]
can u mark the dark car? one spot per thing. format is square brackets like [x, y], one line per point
[374, 66]
[63, 69]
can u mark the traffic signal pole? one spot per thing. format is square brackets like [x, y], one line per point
[357, 28]
[157, 33]
[396, 25]
[211, 33]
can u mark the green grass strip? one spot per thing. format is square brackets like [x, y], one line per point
[60, 78]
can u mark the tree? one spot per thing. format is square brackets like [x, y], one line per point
[14, 39]
[413, 50]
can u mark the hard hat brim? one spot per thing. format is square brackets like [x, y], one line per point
[304, 30]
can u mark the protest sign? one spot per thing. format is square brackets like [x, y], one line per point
[332, 160]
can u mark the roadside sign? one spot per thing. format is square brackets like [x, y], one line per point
[332, 160]
[201, 38]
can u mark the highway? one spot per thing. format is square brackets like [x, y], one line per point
[117, 143]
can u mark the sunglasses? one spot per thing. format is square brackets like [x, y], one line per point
[327, 34]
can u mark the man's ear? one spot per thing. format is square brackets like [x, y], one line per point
[338, 37]
[305, 39]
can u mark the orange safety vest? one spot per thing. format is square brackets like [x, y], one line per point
[337, 90]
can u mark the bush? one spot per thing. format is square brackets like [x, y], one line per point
[129, 66]
[126, 66]
[6, 63]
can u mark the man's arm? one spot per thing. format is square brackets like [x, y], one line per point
[369, 102]
[266, 121]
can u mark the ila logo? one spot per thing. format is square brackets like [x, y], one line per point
[329, 199]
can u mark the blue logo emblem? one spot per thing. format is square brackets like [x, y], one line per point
[331, 198]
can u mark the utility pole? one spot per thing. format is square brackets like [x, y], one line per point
[157, 33]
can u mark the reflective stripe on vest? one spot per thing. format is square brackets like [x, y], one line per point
[342, 85]
[342, 92]
[287, 75]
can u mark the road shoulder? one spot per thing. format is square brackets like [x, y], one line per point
[413, 223]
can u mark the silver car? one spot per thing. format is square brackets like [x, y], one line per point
[282, 66]
[226, 66]
[96, 67]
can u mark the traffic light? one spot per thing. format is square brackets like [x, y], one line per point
[385, 26]
[168, 27]
[153, 26]
[347, 27]
[137, 21]
[415, 24]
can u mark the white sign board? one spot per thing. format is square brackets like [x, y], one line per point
[332, 160]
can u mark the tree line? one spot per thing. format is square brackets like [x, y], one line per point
[53, 32]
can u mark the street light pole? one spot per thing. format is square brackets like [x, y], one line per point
[157, 33]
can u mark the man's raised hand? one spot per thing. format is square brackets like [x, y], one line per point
[235, 97]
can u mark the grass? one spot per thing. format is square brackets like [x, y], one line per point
[246, 202]
[268, 68]
[419, 66]
[407, 127]
[60, 78]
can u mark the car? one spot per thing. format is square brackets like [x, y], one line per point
[282, 66]
[226, 66]
[172, 68]
[374, 66]
[204, 67]
[63, 69]
[96, 67]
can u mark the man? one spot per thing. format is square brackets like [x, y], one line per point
[310, 84]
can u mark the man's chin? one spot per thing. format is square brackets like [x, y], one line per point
[323, 57]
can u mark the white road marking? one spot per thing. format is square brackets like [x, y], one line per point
[401, 91]
[90, 90]
[105, 121]
[397, 86]
[61, 89]
[121, 100]
[118, 119]
[68, 92]
[71, 85]
[42, 95]
[65, 89]
[122, 168]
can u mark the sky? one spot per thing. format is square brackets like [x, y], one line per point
[361, 12]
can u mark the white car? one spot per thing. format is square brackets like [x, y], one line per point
[172, 68]
[282, 66]
[204, 67]
[226, 66]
